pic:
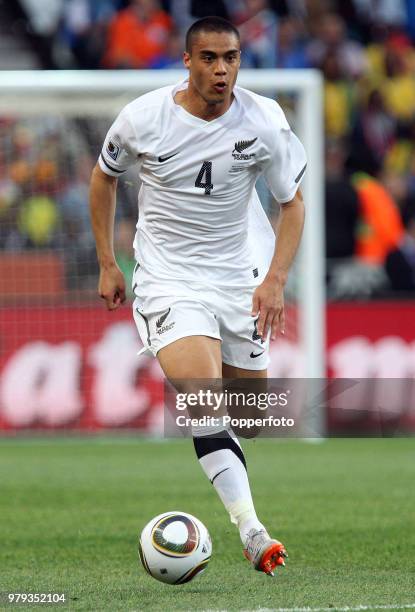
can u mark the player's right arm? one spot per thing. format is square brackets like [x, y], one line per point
[102, 202]
[118, 154]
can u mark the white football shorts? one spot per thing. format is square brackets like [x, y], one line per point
[167, 311]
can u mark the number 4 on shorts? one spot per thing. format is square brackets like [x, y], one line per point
[204, 178]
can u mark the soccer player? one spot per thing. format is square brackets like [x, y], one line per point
[210, 276]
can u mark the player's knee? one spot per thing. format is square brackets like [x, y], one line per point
[202, 397]
[244, 406]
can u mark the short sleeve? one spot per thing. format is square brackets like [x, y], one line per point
[287, 163]
[119, 151]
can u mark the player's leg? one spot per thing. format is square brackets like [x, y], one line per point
[185, 362]
[223, 462]
[222, 458]
[264, 552]
[245, 359]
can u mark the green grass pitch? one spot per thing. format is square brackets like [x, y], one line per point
[71, 511]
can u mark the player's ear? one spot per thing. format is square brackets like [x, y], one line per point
[186, 59]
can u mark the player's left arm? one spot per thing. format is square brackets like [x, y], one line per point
[283, 164]
[268, 299]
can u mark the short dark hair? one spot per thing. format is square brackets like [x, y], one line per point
[209, 24]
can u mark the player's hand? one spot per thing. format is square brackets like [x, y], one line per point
[111, 286]
[268, 302]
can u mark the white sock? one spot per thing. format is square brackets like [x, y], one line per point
[223, 462]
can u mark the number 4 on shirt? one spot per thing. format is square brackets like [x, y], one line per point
[204, 178]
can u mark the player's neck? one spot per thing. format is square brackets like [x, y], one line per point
[193, 103]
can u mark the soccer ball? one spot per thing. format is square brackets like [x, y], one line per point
[175, 547]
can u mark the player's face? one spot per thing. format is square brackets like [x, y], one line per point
[213, 65]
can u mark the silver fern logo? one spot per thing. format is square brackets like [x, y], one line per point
[161, 325]
[242, 145]
[160, 321]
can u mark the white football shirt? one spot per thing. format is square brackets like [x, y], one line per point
[199, 215]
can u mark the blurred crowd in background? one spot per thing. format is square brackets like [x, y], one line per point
[366, 52]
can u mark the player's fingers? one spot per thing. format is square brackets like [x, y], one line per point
[268, 323]
[274, 326]
[110, 300]
[278, 323]
[255, 305]
[117, 299]
[113, 302]
[282, 320]
[122, 295]
[104, 297]
[262, 322]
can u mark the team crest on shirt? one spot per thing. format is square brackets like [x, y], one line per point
[242, 145]
[161, 327]
[113, 150]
